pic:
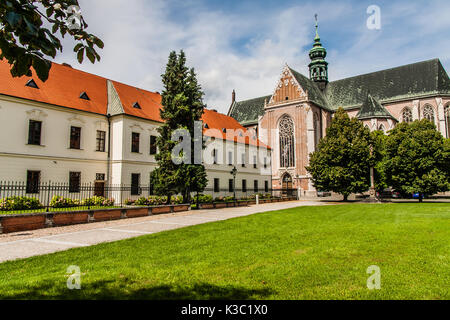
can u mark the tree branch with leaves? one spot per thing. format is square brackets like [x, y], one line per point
[26, 43]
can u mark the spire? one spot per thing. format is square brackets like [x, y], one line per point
[318, 68]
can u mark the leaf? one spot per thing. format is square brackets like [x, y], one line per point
[13, 19]
[42, 67]
[99, 43]
[77, 47]
[90, 54]
[80, 55]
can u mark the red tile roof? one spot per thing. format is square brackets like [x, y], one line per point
[65, 85]
[63, 88]
[149, 102]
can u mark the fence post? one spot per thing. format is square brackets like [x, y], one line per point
[257, 199]
[48, 197]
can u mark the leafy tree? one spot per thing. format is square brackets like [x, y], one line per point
[418, 159]
[182, 106]
[343, 159]
[25, 42]
[379, 153]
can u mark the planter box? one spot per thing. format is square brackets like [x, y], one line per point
[252, 202]
[26, 223]
[231, 204]
[161, 210]
[64, 219]
[242, 204]
[107, 215]
[206, 205]
[181, 207]
[220, 205]
[134, 213]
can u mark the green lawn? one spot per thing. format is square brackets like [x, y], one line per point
[302, 253]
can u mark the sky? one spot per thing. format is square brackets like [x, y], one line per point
[244, 45]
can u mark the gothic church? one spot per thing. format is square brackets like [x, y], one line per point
[296, 115]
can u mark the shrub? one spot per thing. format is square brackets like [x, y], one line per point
[98, 202]
[129, 202]
[177, 200]
[203, 198]
[60, 202]
[228, 199]
[19, 203]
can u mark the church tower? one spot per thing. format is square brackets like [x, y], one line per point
[318, 68]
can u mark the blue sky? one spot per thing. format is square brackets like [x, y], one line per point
[244, 45]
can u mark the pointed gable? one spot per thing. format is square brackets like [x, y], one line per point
[372, 108]
[288, 88]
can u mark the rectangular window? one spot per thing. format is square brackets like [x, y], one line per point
[33, 182]
[231, 185]
[34, 132]
[100, 177]
[101, 139]
[265, 163]
[135, 142]
[153, 145]
[244, 185]
[216, 185]
[135, 184]
[215, 156]
[254, 162]
[243, 160]
[255, 186]
[75, 138]
[230, 158]
[74, 182]
[266, 186]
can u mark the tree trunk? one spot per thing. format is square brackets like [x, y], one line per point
[345, 197]
[169, 198]
[420, 197]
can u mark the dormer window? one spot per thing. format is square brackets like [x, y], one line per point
[32, 84]
[84, 96]
[224, 130]
[206, 126]
[137, 106]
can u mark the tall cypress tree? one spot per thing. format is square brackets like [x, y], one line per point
[182, 100]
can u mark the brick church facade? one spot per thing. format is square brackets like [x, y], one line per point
[294, 118]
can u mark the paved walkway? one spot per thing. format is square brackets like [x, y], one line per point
[33, 243]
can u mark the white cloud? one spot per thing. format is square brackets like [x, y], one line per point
[140, 34]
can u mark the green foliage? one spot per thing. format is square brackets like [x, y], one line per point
[154, 201]
[60, 202]
[343, 159]
[98, 202]
[25, 42]
[417, 159]
[203, 198]
[182, 106]
[19, 203]
[379, 153]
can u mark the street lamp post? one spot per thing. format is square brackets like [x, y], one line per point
[233, 173]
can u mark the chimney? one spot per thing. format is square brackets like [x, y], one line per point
[233, 97]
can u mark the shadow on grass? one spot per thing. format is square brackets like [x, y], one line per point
[113, 290]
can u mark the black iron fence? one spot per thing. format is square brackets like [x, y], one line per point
[20, 197]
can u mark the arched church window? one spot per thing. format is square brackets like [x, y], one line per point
[287, 147]
[407, 115]
[317, 133]
[428, 113]
[447, 119]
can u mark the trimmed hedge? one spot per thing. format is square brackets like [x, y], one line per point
[20, 203]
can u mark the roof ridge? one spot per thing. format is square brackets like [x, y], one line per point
[388, 69]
